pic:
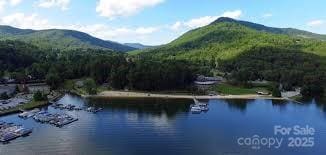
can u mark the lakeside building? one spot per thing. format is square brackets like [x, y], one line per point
[204, 80]
[42, 87]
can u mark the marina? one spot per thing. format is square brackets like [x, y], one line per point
[71, 107]
[58, 120]
[28, 114]
[11, 131]
[55, 119]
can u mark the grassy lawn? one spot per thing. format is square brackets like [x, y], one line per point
[228, 89]
[27, 106]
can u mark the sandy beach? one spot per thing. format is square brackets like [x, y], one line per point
[129, 94]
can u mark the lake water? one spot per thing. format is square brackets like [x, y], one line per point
[167, 127]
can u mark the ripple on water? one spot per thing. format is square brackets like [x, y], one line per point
[164, 129]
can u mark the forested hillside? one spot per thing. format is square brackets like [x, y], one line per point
[251, 51]
[240, 52]
[60, 39]
[20, 61]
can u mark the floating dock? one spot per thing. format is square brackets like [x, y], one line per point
[10, 131]
[58, 120]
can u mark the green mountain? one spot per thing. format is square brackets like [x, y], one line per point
[59, 39]
[248, 51]
[226, 38]
[138, 45]
[287, 31]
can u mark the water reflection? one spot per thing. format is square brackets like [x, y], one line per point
[157, 107]
[144, 126]
[238, 104]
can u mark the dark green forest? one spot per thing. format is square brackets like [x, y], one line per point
[60, 39]
[289, 67]
[20, 60]
[247, 51]
[241, 51]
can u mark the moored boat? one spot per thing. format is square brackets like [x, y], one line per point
[195, 109]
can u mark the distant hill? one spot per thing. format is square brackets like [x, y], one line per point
[138, 45]
[226, 38]
[59, 39]
[288, 31]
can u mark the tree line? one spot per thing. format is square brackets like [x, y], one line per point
[289, 67]
[114, 68]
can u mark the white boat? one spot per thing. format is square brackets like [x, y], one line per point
[196, 109]
[199, 106]
[23, 115]
[205, 82]
[204, 108]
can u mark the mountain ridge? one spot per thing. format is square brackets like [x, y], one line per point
[226, 38]
[260, 27]
[59, 39]
[138, 45]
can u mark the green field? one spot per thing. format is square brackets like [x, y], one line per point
[228, 89]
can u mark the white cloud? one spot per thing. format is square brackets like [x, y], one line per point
[176, 26]
[121, 34]
[267, 15]
[203, 21]
[236, 14]
[4, 3]
[62, 4]
[14, 2]
[316, 23]
[116, 8]
[25, 21]
[200, 22]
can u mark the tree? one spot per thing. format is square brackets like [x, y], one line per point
[4, 96]
[1, 73]
[37, 71]
[274, 88]
[118, 77]
[53, 80]
[90, 86]
[19, 76]
[38, 96]
[276, 92]
[312, 91]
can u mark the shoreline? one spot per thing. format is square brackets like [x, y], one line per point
[29, 106]
[131, 94]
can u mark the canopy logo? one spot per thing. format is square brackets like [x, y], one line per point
[256, 142]
[295, 136]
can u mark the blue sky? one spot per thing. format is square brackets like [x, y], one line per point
[156, 22]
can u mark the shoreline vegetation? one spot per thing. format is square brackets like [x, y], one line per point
[27, 106]
[225, 92]
[133, 94]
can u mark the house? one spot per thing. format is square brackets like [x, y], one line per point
[42, 87]
[203, 80]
